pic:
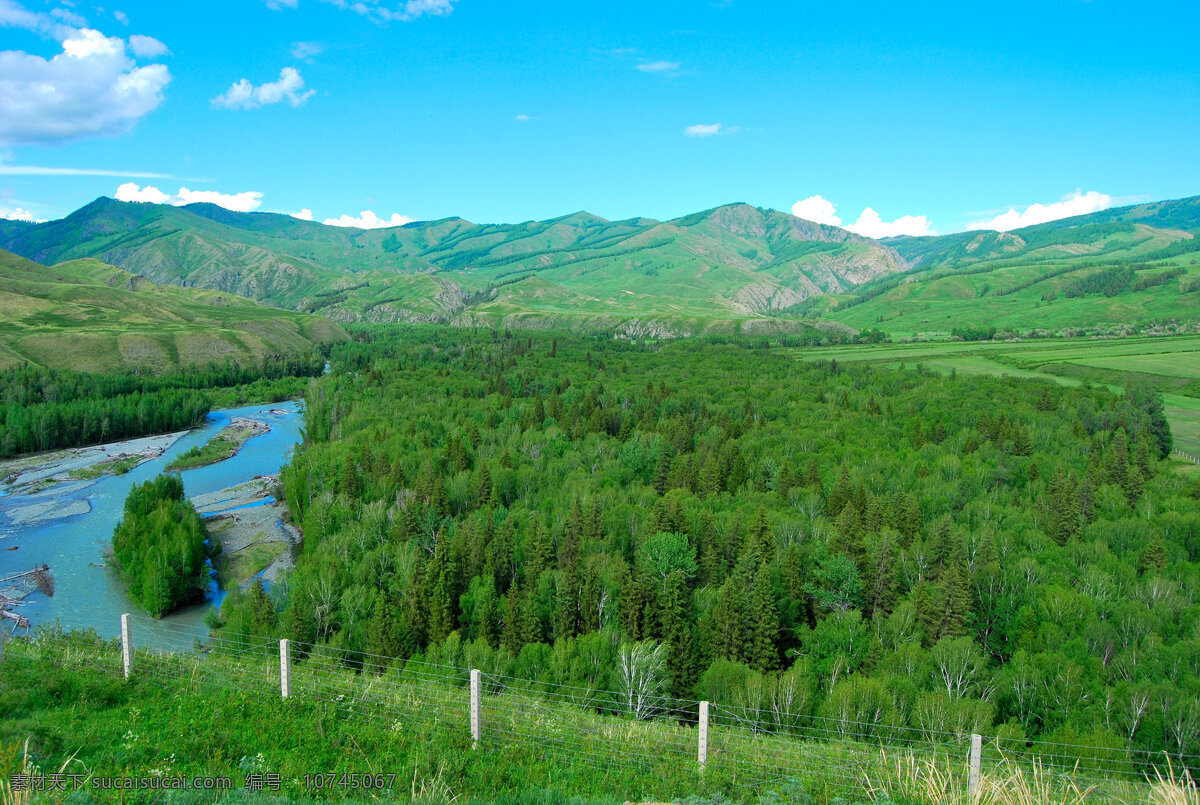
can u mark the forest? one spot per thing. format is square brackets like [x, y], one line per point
[879, 548]
[45, 409]
[160, 546]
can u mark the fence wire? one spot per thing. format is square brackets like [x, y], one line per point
[760, 749]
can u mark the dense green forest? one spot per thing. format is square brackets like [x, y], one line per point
[875, 548]
[44, 409]
[160, 546]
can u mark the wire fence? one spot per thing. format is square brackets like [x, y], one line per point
[607, 730]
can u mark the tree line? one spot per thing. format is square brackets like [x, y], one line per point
[44, 409]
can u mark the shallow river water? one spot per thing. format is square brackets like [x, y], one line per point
[88, 595]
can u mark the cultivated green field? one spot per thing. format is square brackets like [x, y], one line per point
[1170, 364]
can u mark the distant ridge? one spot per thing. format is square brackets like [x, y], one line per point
[733, 261]
[733, 267]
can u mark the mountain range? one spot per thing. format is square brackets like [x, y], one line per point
[739, 264]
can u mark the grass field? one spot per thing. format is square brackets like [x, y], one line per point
[406, 726]
[1171, 364]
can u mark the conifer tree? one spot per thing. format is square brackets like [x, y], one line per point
[677, 620]
[840, 495]
[510, 633]
[566, 603]
[1155, 557]
[729, 623]
[880, 583]
[762, 652]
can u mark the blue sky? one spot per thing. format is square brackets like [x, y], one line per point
[936, 116]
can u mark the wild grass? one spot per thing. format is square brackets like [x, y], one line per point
[221, 714]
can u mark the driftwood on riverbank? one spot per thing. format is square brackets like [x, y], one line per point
[16, 588]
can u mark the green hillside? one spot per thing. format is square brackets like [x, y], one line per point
[86, 315]
[1131, 265]
[731, 262]
[735, 268]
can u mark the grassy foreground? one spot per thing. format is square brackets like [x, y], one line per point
[66, 709]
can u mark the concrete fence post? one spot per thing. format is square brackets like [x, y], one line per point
[973, 774]
[476, 727]
[702, 736]
[126, 645]
[285, 667]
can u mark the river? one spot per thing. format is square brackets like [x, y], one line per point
[87, 594]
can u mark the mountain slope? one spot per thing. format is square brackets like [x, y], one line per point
[1125, 266]
[730, 262]
[87, 315]
[1138, 231]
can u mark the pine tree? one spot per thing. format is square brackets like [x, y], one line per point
[729, 623]
[881, 584]
[677, 620]
[840, 495]
[812, 476]
[763, 652]
[761, 537]
[483, 485]
[946, 608]
[1155, 557]
[1062, 509]
[632, 608]
[510, 634]
[711, 560]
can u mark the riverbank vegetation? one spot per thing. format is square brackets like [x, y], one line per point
[225, 444]
[877, 548]
[160, 546]
[44, 409]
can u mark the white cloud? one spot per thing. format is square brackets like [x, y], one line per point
[704, 130]
[18, 214]
[39, 170]
[69, 17]
[306, 50]
[659, 67]
[147, 47]
[869, 223]
[369, 220]
[93, 88]
[121, 17]
[244, 95]
[389, 10]
[280, 5]
[238, 202]
[13, 15]
[817, 209]
[304, 214]
[1076, 203]
[523, 118]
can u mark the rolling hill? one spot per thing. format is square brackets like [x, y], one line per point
[729, 268]
[1132, 265]
[735, 261]
[86, 315]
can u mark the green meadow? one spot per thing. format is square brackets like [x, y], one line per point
[1169, 364]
